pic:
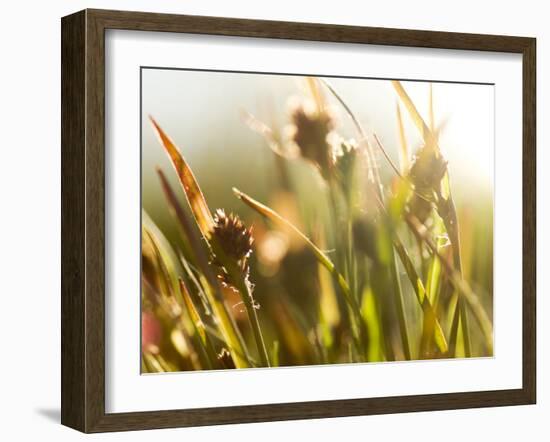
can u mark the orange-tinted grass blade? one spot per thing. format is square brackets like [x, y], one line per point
[228, 328]
[274, 216]
[316, 94]
[196, 200]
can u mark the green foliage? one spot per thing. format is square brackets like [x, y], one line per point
[378, 275]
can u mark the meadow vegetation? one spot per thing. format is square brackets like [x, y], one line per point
[387, 270]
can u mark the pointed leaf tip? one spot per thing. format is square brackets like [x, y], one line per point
[187, 179]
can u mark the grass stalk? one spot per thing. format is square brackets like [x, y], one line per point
[322, 258]
[399, 302]
[241, 283]
[228, 328]
[423, 300]
[446, 204]
[461, 286]
[451, 223]
[400, 307]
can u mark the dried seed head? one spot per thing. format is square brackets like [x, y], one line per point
[345, 154]
[310, 131]
[421, 207]
[426, 173]
[235, 240]
[428, 169]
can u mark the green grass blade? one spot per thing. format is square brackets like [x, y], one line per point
[416, 282]
[322, 258]
[278, 219]
[400, 307]
[461, 286]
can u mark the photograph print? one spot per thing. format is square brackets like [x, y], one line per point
[298, 220]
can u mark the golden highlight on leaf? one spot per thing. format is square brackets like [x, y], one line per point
[404, 148]
[211, 285]
[278, 219]
[322, 258]
[200, 209]
[326, 270]
[413, 111]
[316, 94]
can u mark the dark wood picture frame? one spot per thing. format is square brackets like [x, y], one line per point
[83, 215]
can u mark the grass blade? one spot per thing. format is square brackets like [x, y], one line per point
[322, 258]
[413, 112]
[373, 172]
[194, 195]
[447, 209]
[228, 328]
[198, 324]
[430, 317]
[400, 307]
[403, 147]
[461, 286]
[270, 214]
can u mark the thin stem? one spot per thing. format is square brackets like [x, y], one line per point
[452, 228]
[239, 280]
[400, 306]
[393, 166]
[459, 284]
[362, 134]
[377, 182]
[454, 330]
[421, 295]
[355, 311]
[214, 294]
[245, 289]
[350, 258]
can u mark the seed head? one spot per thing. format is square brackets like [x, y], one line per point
[310, 130]
[345, 156]
[235, 240]
[428, 169]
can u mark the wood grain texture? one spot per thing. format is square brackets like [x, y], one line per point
[83, 219]
[73, 252]
[530, 220]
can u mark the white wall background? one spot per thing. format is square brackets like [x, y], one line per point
[30, 217]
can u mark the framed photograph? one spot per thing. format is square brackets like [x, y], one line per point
[266, 220]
